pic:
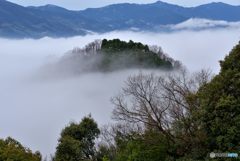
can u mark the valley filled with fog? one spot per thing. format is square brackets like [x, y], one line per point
[35, 110]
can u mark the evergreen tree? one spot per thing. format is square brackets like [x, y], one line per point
[220, 101]
[77, 141]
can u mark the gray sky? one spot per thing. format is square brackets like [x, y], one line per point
[82, 4]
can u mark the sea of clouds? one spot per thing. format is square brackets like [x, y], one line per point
[34, 111]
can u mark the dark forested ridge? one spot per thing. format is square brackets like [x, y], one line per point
[35, 22]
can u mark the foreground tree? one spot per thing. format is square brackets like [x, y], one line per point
[77, 141]
[122, 142]
[220, 101]
[167, 104]
[147, 147]
[12, 150]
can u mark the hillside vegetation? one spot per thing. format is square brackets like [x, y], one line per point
[111, 55]
[121, 54]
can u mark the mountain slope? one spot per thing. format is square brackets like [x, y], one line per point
[125, 16]
[35, 22]
[217, 11]
[18, 21]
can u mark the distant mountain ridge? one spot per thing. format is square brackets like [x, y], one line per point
[35, 22]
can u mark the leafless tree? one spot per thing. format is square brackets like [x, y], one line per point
[160, 101]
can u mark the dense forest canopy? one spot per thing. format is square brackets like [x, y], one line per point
[131, 54]
[118, 45]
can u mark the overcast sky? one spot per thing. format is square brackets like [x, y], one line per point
[82, 4]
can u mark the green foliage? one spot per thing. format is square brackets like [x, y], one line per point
[149, 147]
[105, 153]
[220, 101]
[118, 45]
[119, 54]
[12, 150]
[77, 141]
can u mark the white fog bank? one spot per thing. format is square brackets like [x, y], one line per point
[34, 112]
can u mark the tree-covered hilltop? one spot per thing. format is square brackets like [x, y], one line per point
[120, 54]
[110, 55]
[118, 45]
